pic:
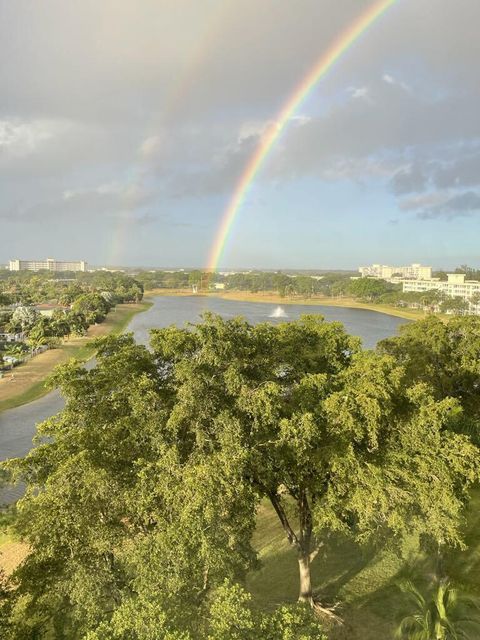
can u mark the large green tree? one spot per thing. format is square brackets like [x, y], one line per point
[456, 306]
[144, 492]
[446, 356]
[369, 289]
[333, 437]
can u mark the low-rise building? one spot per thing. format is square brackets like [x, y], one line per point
[12, 337]
[47, 310]
[49, 265]
[454, 287]
[414, 271]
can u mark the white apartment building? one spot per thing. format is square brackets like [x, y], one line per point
[455, 286]
[49, 264]
[386, 272]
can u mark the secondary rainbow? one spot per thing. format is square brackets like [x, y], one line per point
[177, 95]
[321, 67]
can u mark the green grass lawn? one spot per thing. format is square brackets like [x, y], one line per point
[362, 580]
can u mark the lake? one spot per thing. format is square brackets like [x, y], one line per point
[17, 426]
[371, 326]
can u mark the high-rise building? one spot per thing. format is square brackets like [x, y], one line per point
[386, 272]
[49, 265]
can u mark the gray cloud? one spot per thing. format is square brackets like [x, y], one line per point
[104, 200]
[216, 175]
[409, 180]
[442, 205]
[169, 97]
[462, 204]
[461, 171]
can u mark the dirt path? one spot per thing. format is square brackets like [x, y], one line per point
[11, 555]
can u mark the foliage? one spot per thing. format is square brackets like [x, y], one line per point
[24, 318]
[92, 305]
[83, 299]
[227, 615]
[446, 356]
[456, 305]
[232, 617]
[142, 494]
[443, 614]
[370, 289]
[303, 285]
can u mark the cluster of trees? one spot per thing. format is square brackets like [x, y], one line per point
[304, 286]
[27, 288]
[471, 272]
[86, 300]
[142, 494]
[165, 279]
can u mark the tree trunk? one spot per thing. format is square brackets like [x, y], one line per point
[306, 594]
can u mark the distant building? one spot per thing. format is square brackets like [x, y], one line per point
[385, 272]
[48, 310]
[455, 286]
[12, 337]
[49, 265]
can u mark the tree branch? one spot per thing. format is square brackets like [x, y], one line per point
[314, 553]
[291, 535]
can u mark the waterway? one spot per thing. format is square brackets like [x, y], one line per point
[17, 426]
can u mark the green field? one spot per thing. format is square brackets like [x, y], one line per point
[362, 580]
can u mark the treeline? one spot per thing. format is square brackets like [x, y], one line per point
[254, 282]
[142, 499]
[335, 285]
[471, 272]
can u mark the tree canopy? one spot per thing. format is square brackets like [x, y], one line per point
[142, 494]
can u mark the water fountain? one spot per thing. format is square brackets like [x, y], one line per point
[279, 312]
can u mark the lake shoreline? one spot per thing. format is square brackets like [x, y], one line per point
[15, 392]
[272, 297]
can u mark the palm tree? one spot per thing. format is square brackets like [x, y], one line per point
[444, 614]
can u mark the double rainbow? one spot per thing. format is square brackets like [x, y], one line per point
[321, 67]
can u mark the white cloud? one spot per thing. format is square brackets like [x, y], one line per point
[253, 128]
[389, 79]
[22, 138]
[150, 146]
[358, 92]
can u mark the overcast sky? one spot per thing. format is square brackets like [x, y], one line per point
[125, 125]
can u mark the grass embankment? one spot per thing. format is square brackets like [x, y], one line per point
[12, 552]
[362, 580]
[28, 381]
[271, 296]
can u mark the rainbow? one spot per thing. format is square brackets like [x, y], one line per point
[318, 71]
